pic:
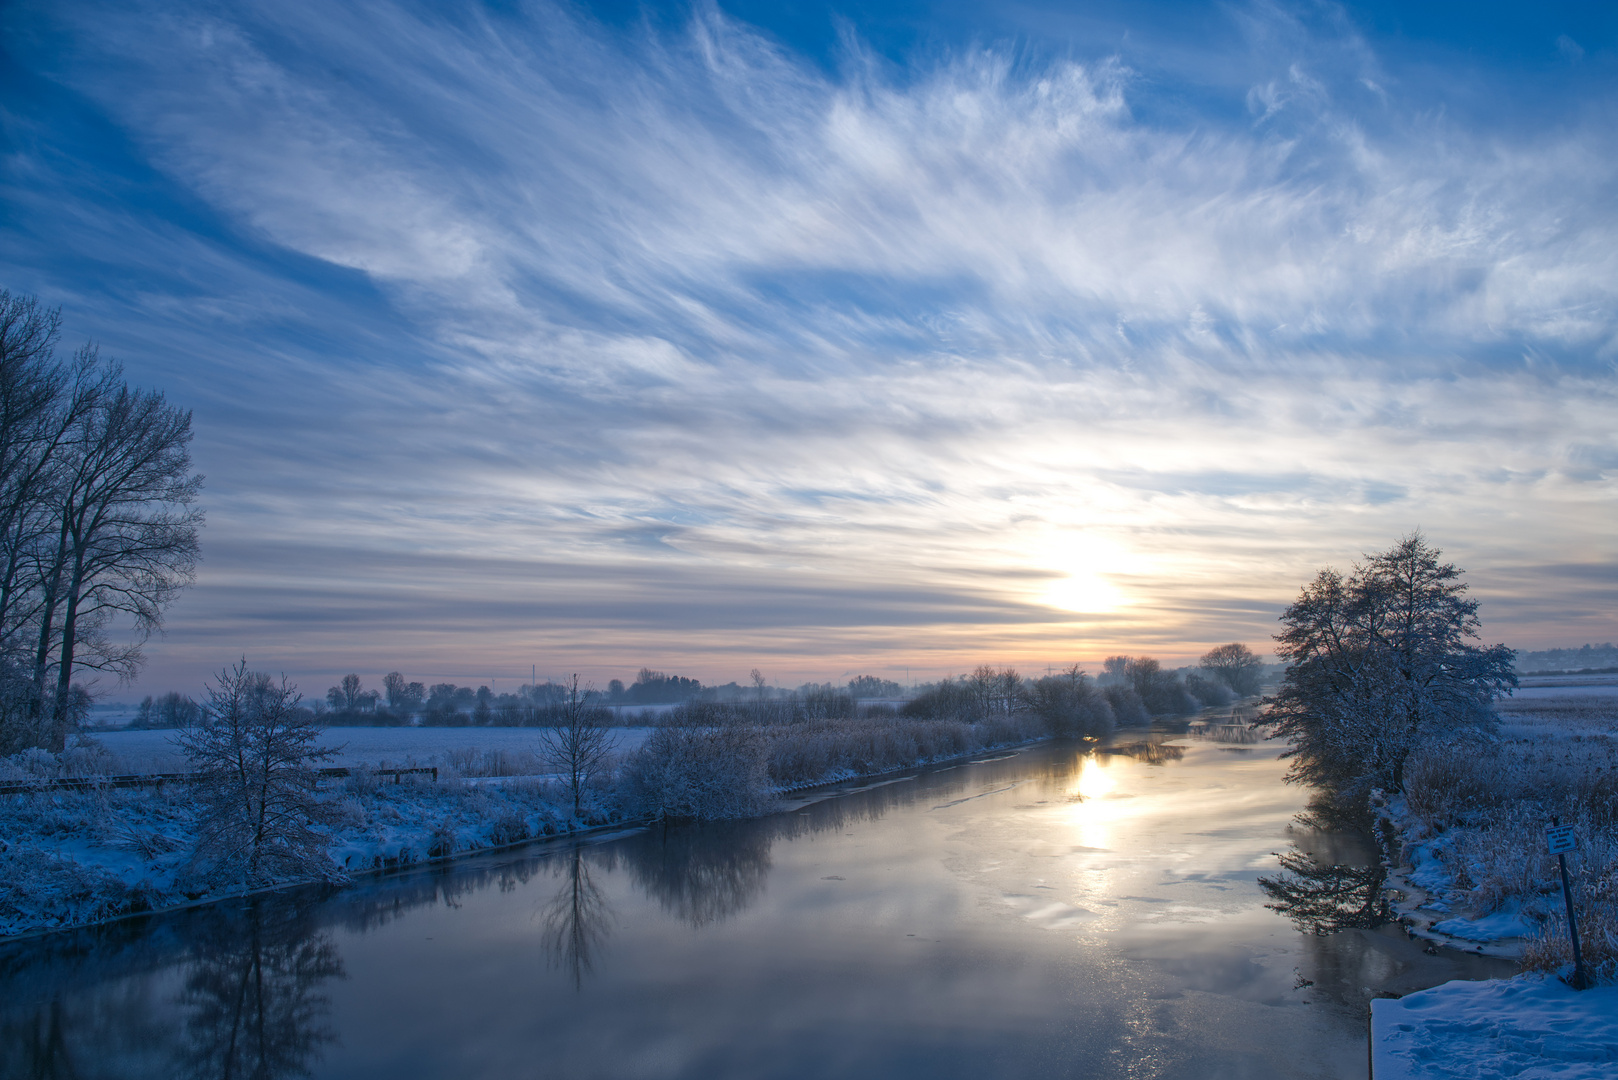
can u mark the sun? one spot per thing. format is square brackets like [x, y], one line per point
[1083, 569]
[1084, 593]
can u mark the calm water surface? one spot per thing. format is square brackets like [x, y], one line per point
[1047, 913]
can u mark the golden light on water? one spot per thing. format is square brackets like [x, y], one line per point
[1094, 781]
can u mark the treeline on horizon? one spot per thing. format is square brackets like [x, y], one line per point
[1586, 658]
[1128, 690]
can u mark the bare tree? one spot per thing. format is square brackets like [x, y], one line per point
[255, 751]
[580, 742]
[97, 534]
[1072, 705]
[41, 403]
[126, 541]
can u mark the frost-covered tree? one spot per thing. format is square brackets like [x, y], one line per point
[697, 771]
[254, 750]
[1378, 662]
[1235, 666]
[579, 743]
[1070, 704]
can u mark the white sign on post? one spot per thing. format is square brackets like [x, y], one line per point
[1558, 838]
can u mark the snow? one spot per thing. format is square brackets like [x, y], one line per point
[1501, 924]
[1532, 1027]
[1430, 872]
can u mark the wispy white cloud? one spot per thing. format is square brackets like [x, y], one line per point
[696, 332]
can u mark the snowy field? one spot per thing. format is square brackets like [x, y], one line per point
[1530, 1026]
[389, 747]
[1544, 688]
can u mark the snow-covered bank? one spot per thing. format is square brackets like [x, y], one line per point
[72, 858]
[1469, 857]
[1532, 1026]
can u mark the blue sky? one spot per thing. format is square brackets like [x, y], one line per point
[833, 340]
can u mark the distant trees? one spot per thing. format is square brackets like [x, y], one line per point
[404, 698]
[657, 688]
[172, 710]
[869, 686]
[1235, 666]
[1380, 661]
[352, 697]
[254, 752]
[1160, 692]
[97, 529]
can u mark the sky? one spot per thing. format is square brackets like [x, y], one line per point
[829, 340]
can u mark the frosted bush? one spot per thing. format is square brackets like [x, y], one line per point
[697, 772]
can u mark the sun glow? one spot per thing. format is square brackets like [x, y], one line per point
[1083, 593]
[1082, 566]
[1093, 779]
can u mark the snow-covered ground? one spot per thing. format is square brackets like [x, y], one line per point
[1476, 876]
[391, 747]
[1532, 1026]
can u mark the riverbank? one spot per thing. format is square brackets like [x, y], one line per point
[1466, 841]
[82, 858]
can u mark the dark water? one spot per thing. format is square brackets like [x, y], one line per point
[1049, 913]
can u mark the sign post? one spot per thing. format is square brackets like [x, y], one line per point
[1559, 841]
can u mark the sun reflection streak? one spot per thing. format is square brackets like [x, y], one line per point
[1092, 812]
[1094, 780]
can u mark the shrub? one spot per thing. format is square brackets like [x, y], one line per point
[1127, 708]
[696, 772]
[1071, 705]
[1210, 692]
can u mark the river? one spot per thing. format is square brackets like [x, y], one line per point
[1050, 912]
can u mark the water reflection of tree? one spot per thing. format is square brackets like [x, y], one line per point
[576, 919]
[1338, 883]
[253, 992]
[1152, 750]
[37, 1046]
[705, 873]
